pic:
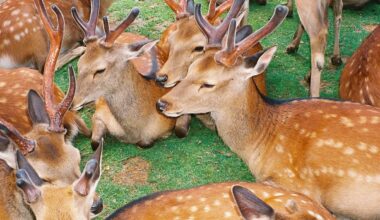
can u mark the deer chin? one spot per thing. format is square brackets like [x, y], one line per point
[171, 84]
[172, 114]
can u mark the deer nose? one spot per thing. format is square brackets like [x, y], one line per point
[161, 105]
[162, 79]
[97, 206]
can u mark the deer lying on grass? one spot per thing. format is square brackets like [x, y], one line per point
[314, 19]
[333, 160]
[50, 152]
[233, 200]
[360, 81]
[48, 201]
[24, 43]
[106, 73]
[187, 42]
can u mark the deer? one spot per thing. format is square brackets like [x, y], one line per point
[314, 19]
[45, 144]
[359, 79]
[333, 160]
[108, 78]
[24, 42]
[228, 200]
[48, 201]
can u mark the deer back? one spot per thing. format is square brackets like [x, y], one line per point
[360, 77]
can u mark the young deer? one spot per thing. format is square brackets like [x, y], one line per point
[360, 81]
[107, 75]
[48, 201]
[333, 159]
[24, 42]
[314, 19]
[231, 200]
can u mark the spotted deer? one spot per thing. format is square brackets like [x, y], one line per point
[107, 75]
[48, 201]
[332, 160]
[314, 19]
[24, 42]
[360, 77]
[230, 200]
[45, 143]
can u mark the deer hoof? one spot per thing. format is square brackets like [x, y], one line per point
[291, 49]
[145, 144]
[336, 60]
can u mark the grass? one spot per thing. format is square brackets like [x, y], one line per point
[202, 157]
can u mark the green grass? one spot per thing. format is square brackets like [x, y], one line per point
[202, 157]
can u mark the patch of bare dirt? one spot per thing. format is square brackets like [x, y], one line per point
[135, 172]
[370, 27]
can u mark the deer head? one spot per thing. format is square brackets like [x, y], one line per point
[220, 72]
[102, 65]
[186, 42]
[48, 201]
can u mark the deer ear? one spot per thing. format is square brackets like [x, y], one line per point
[139, 48]
[22, 163]
[89, 179]
[250, 206]
[36, 108]
[258, 63]
[31, 192]
[243, 32]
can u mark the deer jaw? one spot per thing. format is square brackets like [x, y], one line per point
[186, 43]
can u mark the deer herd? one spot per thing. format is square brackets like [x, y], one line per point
[210, 66]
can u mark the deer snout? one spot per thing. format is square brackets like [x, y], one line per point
[162, 79]
[161, 105]
[97, 205]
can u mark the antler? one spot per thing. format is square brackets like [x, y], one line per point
[55, 112]
[111, 36]
[231, 52]
[213, 34]
[25, 145]
[214, 12]
[88, 28]
[180, 8]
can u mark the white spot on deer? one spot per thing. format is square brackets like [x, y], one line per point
[3, 100]
[316, 172]
[296, 125]
[281, 137]
[375, 120]
[193, 208]
[216, 203]
[227, 214]
[307, 114]
[17, 37]
[302, 131]
[2, 84]
[6, 23]
[315, 215]
[26, 31]
[348, 151]
[25, 15]
[327, 116]
[189, 197]
[265, 195]
[278, 194]
[206, 208]
[364, 129]
[29, 20]
[225, 195]
[352, 173]
[289, 173]
[347, 84]
[278, 200]
[340, 173]
[362, 119]
[279, 148]
[362, 146]
[179, 198]
[373, 149]
[346, 122]
[15, 12]
[20, 24]
[202, 199]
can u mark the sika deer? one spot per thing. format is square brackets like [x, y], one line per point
[325, 149]
[106, 73]
[233, 200]
[48, 201]
[360, 80]
[24, 43]
[314, 19]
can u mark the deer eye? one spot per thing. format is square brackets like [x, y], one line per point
[100, 71]
[198, 49]
[207, 85]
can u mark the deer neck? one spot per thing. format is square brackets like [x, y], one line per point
[245, 124]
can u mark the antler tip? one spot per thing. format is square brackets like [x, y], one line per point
[135, 11]
[282, 9]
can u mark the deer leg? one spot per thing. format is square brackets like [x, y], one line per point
[182, 126]
[318, 45]
[293, 46]
[207, 121]
[338, 6]
[83, 129]
[289, 4]
[99, 129]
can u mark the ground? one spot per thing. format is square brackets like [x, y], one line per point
[200, 158]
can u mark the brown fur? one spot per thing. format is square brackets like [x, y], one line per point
[360, 78]
[325, 149]
[30, 47]
[215, 201]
